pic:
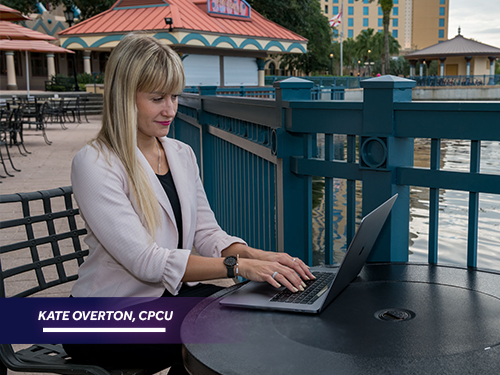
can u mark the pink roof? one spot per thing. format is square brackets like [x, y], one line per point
[9, 30]
[31, 45]
[133, 15]
[9, 14]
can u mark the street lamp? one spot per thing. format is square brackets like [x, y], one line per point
[369, 68]
[70, 17]
[331, 64]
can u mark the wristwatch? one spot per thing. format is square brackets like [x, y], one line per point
[230, 262]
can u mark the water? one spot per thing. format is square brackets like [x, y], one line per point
[453, 210]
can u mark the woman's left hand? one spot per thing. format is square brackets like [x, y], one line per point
[294, 263]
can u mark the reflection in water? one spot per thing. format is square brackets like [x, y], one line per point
[453, 208]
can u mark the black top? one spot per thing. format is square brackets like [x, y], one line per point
[168, 185]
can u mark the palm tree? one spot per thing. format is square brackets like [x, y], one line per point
[386, 6]
[364, 44]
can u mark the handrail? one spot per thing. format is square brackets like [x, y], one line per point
[261, 160]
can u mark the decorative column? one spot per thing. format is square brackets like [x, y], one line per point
[413, 65]
[492, 70]
[441, 63]
[261, 63]
[86, 62]
[421, 62]
[468, 59]
[11, 71]
[51, 68]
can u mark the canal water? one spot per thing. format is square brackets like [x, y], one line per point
[453, 209]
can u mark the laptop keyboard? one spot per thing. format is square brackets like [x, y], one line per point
[314, 289]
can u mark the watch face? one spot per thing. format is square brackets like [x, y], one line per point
[230, 261]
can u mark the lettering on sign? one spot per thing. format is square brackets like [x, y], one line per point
[238, 8]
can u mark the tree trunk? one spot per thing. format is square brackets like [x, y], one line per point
[385, 55]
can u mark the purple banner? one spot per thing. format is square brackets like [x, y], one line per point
[94, 320]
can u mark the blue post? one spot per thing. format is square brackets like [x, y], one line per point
[380, 154]
[294, 192]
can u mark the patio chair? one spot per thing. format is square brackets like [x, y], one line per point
[4, 131]
[54, 256]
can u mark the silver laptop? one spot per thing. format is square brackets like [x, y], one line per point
[330, 281]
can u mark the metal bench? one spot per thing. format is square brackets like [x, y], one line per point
[41, 251]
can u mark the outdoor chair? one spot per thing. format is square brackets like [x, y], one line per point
[14, 126]
[48, 257]
[31, 113]
[5, 116]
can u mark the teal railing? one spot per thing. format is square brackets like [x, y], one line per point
[259, 161]
[355, 82]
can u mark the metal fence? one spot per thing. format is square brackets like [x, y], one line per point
[355, 82]
[258, 159]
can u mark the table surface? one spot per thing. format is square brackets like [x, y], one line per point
[452, 326]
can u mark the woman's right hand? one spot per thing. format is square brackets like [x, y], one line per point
[260, 270]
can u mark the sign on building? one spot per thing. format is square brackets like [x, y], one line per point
[238, 8]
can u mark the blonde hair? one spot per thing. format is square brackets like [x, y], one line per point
[138, 63]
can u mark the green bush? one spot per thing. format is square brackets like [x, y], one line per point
[86, 78]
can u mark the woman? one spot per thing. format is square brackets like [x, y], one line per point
[145, 209]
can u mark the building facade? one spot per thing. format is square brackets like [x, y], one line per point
[415, 24]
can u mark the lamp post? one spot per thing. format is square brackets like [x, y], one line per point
[70, 17]
[369, 68]
[331, 64]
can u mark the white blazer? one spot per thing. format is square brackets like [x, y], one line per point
[124, 261]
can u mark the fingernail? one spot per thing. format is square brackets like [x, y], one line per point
[301, 288]
[295, 290]
[303, 284]
[307, 277]
[314, 277]
[279, 285]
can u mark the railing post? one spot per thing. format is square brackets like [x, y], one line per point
[381, 153]
[294, 192]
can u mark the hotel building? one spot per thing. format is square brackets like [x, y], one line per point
[416, 24]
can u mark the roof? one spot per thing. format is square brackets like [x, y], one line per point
[9, 30]
[31, 45]
[458, 46]
[9, 14]
[132, 15]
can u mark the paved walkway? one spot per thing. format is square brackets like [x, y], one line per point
[48, 166]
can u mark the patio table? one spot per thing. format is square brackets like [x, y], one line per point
[393, 319]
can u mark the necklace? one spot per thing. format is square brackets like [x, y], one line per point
[159, 156]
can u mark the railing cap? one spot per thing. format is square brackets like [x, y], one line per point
[387, 82]
[294, 83]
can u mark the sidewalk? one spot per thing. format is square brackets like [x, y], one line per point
[48, 166]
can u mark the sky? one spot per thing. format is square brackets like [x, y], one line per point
[478, 20]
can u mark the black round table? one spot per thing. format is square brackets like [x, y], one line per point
[393, 319]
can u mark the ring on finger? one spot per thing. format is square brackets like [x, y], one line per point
[294, 259]
[274, 274]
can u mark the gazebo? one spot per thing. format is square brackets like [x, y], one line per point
[221, 42]
[457, 56]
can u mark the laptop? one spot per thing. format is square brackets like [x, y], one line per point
[329, 283]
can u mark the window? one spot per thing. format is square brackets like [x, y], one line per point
[442, 2]
[441, 33]
[395, 11]
[395, 33]
[380, 22]
[335, 10]
[366, 1]
[441, 22]
[365, 22]
[380, 13]
[395, 1]
[365, 11]
[240, 71]
[38, 64]
[441, 11]
[394, 22]
[351, 1]
[203, 70]
[335, 33]
[335, 1]
[350, 11]
[350, 33]
[326, 9]
[350, 22]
